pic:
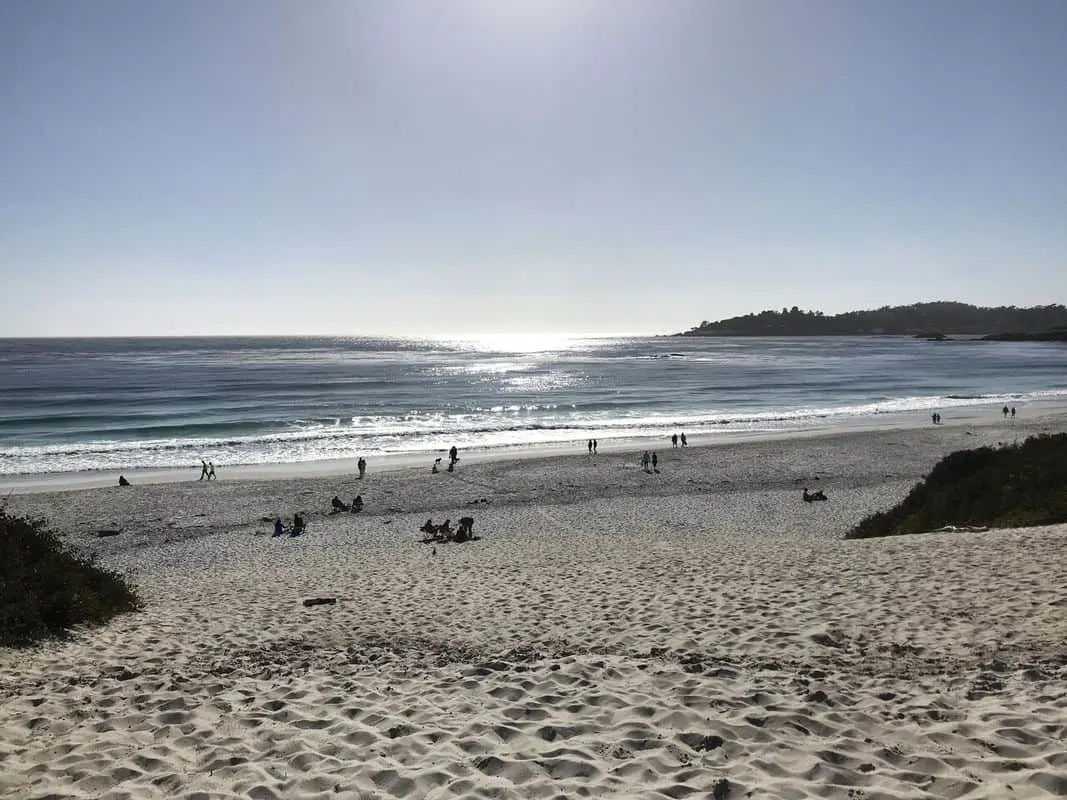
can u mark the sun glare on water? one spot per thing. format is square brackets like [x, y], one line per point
[521, 342]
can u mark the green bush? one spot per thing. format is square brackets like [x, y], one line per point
[45, 589]
[1006, 487]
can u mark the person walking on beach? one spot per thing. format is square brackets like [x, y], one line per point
[645, 459]
[1013, 412]
[594, 447]
[453, 456]
[361, 465]
[210, 471]
[655, 462]
[203, 470]
[684, 442]
[1005, 409]
[590, 447]
[674, 440]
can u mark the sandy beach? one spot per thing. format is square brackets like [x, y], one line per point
[696, 632]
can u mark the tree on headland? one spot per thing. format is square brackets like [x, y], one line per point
[927, 319]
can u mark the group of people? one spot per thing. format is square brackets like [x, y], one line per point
[340, 505]
[453, 457]
[297, 528]
[652, 459]
[444, 532]
[592, 447]
[936, 416]
[679, 437]
[207, 470]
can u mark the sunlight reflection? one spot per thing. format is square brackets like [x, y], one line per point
[522, 342]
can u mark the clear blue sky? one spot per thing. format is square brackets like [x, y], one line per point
[463, 166]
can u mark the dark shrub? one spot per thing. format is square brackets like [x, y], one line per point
[45, 588]
[1007, 487]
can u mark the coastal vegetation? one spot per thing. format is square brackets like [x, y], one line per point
[46, 588]
[1014, 486]
[930, 320]
[1053, 335]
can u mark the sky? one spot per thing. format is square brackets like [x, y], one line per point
[452, 167]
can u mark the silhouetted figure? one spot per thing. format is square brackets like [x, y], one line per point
[465, 531]
[1005, 410]
[203, 469]
[1013, 412]
[361, 465]
[934, 418]
[811, 498]
[338, 504]
[684, 442]
[590, 445]
[594, 447]
[357, 504]
[279, 527]
[433, 469]
[674, 440]
[655, 461]
[298, 525]
[210, 471]
[123, 481]
[429, 527]
[453, 455]
[645, 460]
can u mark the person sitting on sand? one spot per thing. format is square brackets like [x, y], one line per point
[298, 525]
[338, 504]
[123, 481]
[811, 498]
[429, 527]
[279, 527]
[357, 504]
[444, 531]
[465, 531]
[433, 469]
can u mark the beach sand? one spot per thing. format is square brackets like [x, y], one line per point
[699, 632]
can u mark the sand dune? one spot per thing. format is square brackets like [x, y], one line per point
[614, 634]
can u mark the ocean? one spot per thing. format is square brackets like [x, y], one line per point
[69, 405]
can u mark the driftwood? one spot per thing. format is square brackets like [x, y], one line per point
[320, 601]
